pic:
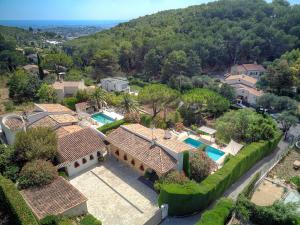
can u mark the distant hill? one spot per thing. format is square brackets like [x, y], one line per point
[219, 34]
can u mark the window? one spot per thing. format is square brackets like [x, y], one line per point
[132, 162]
[117, 153]
[76, 164]
[142, 168]
[98, 154]
[91, 157]
[125, 157]
[83, 161]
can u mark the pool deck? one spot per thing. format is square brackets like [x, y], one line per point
[111, 114]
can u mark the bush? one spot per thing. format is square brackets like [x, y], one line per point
[133, 117]
[296, 181]
[70, 102]
[186, 163]
[173, 177]
[219, 214]
[90, 220]
[50, 220]
[15, 204]
[192, 197]
[37, 173]
[146, 120]
[107, 127]
[248, 190]
[9, 106]
[200, 166]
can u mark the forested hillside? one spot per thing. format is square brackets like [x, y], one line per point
[186, 42]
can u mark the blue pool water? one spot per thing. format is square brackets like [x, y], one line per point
[102, 118]
[212, 152]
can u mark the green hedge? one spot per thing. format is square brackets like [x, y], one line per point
[11, 198]
[90, 220]
[192, 197]
[219, 214]
[186, 163]
[110, 126]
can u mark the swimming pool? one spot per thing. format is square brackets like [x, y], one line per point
[212, 152]
[102, 118]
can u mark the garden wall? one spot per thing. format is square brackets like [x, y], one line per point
[193, 197]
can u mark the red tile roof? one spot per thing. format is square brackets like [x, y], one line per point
[151, 155]
[78, 144]
[14, 123]
[53, 199]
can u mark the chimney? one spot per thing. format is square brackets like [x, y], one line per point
[167, 135]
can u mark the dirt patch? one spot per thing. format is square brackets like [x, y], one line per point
[267, 193]
[284, 169]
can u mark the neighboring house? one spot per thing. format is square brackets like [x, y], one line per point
[245, 87]
[117, 84]
[68, 88]
[145, 149]
[254, 70]
[85, 107]
[79, 149]
[56, 198]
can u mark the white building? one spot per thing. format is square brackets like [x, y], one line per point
[254, 70]
[68, 88]
[245, 87]
[79, 149]
[117, 84]
[11, 125]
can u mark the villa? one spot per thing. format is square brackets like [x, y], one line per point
[245, 87]
[117, 84]
[254, 70]
[79, 149]
[56, 198]
[146, 149]
[68, 88]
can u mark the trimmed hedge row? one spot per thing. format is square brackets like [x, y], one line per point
[16, 205]
[219, 214]
[110, 126]
[192, 197]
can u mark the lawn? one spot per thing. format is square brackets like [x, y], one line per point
[284, 169]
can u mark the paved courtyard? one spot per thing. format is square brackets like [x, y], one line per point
[115, 196]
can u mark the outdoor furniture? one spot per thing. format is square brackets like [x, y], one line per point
[296, 165]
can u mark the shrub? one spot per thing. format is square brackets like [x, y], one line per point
[15, 204]
[132, 117]
[35, 143]
[90, 220]
[37, 173]
[219, 214]
[107, 127]
[296, 181]
[173, 177]
[9, 106]
[201, 166]
[70, 102]
[146, 120]
[50, 220]
[186, 163]
[248, 190]
[191, 197]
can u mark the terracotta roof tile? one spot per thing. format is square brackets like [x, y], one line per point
[64, 118]
[54, 198]
[153, 156]
[54, 108]
[78, 144]
[257, 67]
[249, 79]
[14, 123]
[46, 121]
[62, 131]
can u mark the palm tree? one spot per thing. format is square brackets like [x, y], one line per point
[100, 97]
[129, 104]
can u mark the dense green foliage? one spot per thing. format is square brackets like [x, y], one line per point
[37, 173]
[50, 220]
[89, 220]
[23, 87]
[15, 204]
[200, 166]
[192, 197]
[296, 181]
[219, 214]
[175, 43]
[244, 125]
[172, 177]
[47, 94]
[186, 164]
[110, 126]
[277, 214]
[35, 143]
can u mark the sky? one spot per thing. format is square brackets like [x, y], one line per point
[88, 9]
